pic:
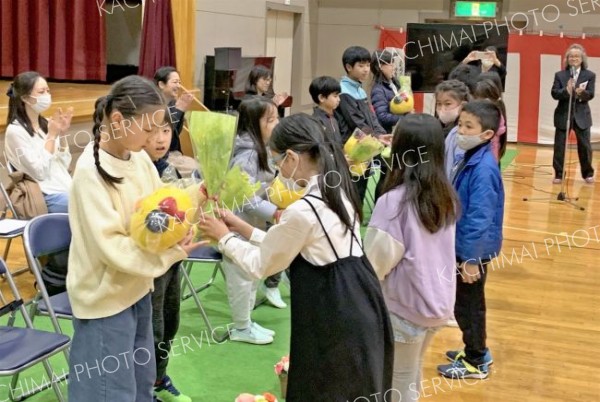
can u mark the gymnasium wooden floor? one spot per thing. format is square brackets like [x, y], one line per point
[542, 295]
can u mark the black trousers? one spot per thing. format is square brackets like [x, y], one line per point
[470, 311]
[165, 316]
[584, 151]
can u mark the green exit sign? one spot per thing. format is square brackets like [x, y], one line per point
[477, 9]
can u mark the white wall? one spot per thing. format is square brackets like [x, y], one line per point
[242, 23]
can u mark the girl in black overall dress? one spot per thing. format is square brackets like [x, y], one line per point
[341, 338]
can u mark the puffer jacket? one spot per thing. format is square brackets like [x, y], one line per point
[478, 183]
[381, 96]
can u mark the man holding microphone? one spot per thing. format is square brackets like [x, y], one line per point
[576, 83]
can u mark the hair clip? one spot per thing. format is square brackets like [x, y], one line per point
[10, 93]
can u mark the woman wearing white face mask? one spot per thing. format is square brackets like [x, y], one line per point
[36, 146]
[489, 62]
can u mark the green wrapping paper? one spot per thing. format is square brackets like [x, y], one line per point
[213, 136]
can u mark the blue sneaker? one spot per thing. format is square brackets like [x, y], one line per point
[454, 355]
[166, 392]
[462, 369]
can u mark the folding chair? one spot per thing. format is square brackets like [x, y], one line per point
[10, 228]
[21, 348]
[206, 255]
[45, 235]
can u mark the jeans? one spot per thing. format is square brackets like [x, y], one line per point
[411, 342]
[58, 202]
[112, 358]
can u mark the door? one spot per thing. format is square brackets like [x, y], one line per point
[280, 40]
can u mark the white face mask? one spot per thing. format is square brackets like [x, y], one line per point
[486, 63]
[467, 142]
[43, 103]
[448, 115]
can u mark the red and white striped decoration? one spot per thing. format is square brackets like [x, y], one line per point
[531, 64]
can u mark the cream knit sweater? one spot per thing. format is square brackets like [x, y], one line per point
[108, 272]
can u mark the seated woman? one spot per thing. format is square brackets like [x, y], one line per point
[168, 81]
[259, 84]
[36, 146]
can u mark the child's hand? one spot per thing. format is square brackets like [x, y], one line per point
[385, 139]
[470, 273]
[188, 245]
[212, 227]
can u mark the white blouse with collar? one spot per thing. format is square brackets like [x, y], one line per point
[298, 232]
[28, 155]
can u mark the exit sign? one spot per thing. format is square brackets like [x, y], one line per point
[475, 9]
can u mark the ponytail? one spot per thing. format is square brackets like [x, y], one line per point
[103, 103]
[335, 173]
[301, 133]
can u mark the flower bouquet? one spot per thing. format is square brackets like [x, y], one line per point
[360, 149]
[281, 369]
[162, 219]
[266, 397]
[212, 135]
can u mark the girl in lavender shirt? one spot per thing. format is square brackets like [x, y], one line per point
[410, 243]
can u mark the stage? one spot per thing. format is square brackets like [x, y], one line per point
[82, 98]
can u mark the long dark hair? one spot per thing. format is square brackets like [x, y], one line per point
[487, 89]
[386, 57]
[251, 111]
[302, 134]
[20, 87]
[130, 96]
[418, 150]
[257, 72]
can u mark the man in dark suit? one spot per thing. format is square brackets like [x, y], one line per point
[577, 80]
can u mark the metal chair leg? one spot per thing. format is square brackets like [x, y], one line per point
[190, 285]
[188, 270]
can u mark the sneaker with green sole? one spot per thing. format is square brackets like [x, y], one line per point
[166, 392]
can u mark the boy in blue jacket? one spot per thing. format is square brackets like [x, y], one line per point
[478, 182]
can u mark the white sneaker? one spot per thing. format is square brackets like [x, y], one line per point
[262, 329]
[274, 297]
[250, 335]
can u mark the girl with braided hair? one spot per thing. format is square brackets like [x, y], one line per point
[110, 277]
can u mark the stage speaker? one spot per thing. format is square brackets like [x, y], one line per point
[228, 58]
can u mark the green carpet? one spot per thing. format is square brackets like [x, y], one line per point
[201, 368]
[508, 157]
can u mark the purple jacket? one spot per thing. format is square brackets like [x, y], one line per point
[421, 288]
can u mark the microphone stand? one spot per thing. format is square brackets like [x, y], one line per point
[562, 196]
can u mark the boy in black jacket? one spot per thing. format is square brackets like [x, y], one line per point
[325, 92]
[355, 110]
